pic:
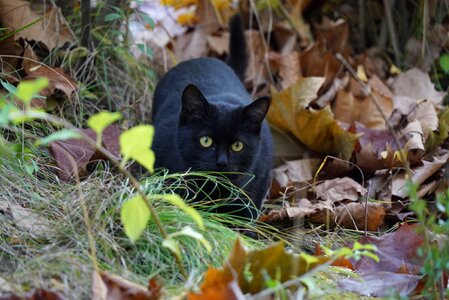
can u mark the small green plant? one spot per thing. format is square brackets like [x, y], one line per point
[135, 144]
[434, 250]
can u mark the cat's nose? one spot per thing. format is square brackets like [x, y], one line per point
[222, 160]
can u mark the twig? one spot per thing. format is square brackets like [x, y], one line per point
[367, 89]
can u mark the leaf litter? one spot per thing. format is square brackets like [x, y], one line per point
[318, 102]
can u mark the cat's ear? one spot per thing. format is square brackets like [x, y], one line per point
[194, 105]
[255, 113]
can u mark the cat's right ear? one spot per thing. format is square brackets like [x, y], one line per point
[194, 105]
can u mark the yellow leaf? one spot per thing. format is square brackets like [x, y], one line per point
[221, 4]
[187, 19]
[317, 129]
[361, 73]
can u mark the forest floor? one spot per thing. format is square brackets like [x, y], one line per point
[359, 199]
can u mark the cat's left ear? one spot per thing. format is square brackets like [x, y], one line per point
[255, 112]
[194, 104]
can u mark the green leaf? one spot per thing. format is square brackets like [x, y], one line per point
[135, 144]
[19, 116]
[444, 62]
[112, 17]
[145, 50]
[310, 259]
[190, 232]
[177, 201]
[173, 246]
[100, 121]
[26, 90]
[146, 158]
[135, 216]
[147, 19]
[9, 87]
[61, 135]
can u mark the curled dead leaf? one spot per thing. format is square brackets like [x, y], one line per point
[352, 215]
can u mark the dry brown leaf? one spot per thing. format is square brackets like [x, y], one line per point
[349, 108]
[273, 261]
[420, 174]
[317, 129]
[218, 44]
[410, 109]
[74, 154]
[289, 69]
[300, 170]
[112, 287]
[30, 60]
[285, 37]
[194, 44]
[339, 189]
[317, 60]
[381, 284]
[51, 30]
[335, 33]
[58, 80]
[256, 72]
[26, 219]
[352, 215]
[38, 294]
[416, 84]
[8, 65]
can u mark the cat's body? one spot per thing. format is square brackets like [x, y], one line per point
[205, 120]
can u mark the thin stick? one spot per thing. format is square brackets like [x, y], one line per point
[367, 89]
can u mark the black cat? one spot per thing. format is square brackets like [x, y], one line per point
[205, 121]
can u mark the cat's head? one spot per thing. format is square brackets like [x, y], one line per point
[219, 136]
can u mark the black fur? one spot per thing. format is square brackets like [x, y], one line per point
[238, 57]
[204, 97]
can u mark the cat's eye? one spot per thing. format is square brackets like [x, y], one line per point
[237, 146]
[206, 141]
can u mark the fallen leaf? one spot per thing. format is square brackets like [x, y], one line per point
[339, 189]
[218, 286]
[38, 294]
[256, 72]
[353, 105]
[382, 284]
[335, 33]
[58, 80]
[30, 60]
[378, 149]
[419, 175]
[300, 210]
[289, 69]
[26, 219]
[317, 60]
[113, 287]
[8, 65]
[272, 261]
[300, 170]
[436, 138]
[317, 129]
[218, 44]
[352, 215]
[416, 84]
[409, 109]
[76, 154]
[194, 44]
[50, 30]
[395, 251]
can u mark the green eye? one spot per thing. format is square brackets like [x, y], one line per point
[206, 141]
[237, 146]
